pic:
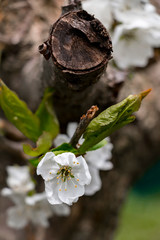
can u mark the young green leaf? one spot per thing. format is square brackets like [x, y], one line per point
[18, 113]
[46, 114]
[43, 145]
[34, 161]
[110, 120]
[65, 147]
[98, 145]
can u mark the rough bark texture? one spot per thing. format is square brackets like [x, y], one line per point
[79, 48]
[136, 146]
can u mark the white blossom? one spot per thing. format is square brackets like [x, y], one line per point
[62, 138]
[100, 157]
[101, 9]
[17, 198]
[34, 209]
[96, 160]
[19, 179]
[127, 5]
[136, 32]
[136, 35]
[96, 182]
[65, 177]
[133, 47]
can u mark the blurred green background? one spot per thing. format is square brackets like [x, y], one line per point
[140, 216]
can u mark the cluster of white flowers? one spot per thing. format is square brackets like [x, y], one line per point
[134, 27]
[34, 208]
[67, 177]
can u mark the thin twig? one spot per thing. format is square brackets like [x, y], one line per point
[84, 122]
[10, 131]
[74, 1]
[12, 147]
[72, 6]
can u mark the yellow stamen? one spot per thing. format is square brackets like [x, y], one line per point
[65, 189]
[75, 186]
[74, 162]
[59, 189]
[78, 180]
[57, 182]
[77, 162]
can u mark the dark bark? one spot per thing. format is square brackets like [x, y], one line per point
[79, 48]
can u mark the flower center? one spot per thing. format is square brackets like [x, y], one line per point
[65, 172]
[128, 35]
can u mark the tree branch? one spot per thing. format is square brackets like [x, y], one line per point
[84, 122]
[71, 6]
[10, 131]
[78, 51]
[12, 147]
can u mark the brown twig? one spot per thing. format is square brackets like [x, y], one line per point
[10, 131]
[12, 147]
[73, 1]
[84, 122]
[71, 6]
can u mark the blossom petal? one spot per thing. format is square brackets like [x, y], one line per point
[100, 157]
[66, 159]
[101, 10]
[19, 179]
[18, 199]
[16, 217]
[39, 215]
[47, 167]
[52, 189]
[71, 127]
[95, 184]
[32, 200]
[61, 210]
[133, 52]
[61, 138]
[6, 192]
[70, 192]
[81, 171]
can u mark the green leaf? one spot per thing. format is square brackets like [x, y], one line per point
[46, 114]
[43, 145]
[98, 145]
[18, 113]
[110, 120]
[34, 161]
[65, 147]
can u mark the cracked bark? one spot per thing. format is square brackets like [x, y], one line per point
[77, 53]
